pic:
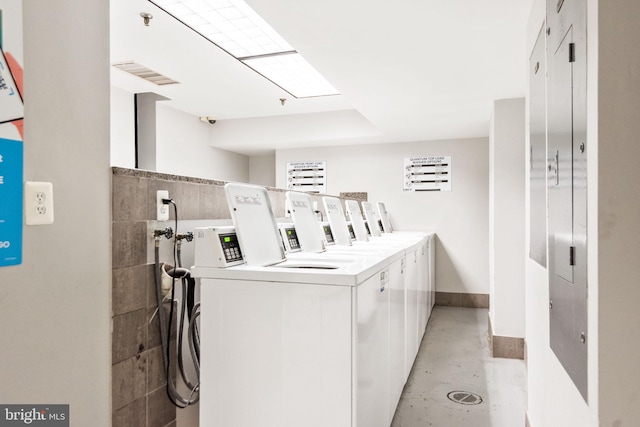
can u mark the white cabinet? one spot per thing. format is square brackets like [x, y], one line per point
[424, 296]
[419, 297]
[397, 338]
[291, 348]
[372, 351]
[411, 316]
[275, 354]
[431, 246]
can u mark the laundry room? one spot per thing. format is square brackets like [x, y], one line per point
[291, 213]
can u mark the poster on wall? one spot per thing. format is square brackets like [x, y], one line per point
[11, 133]
[429, 173]
[310, 177]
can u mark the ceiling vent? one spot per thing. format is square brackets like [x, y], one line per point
[144, 73]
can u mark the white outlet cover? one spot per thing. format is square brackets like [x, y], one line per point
[38, 203]
[162, 210]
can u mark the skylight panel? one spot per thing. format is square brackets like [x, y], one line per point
[294, 74]
[236, 28]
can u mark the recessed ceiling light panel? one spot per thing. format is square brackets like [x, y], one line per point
[236, 28]
[293, 74]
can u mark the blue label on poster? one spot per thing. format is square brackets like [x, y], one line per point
[11, 161]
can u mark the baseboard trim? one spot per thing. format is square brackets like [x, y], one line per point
[505, 347]
[455, 299]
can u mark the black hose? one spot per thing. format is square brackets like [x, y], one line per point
[165, 337]
[191, 296]
[165, 330]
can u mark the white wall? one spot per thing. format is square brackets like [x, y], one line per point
[507, 217]
[553, 399]
[618, 216]
[262, 169]
[183, 143]
[55, 308]
[460, 217]
[123, 130]
[183, 149]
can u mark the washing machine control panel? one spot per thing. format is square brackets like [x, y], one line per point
[352, 233]
[230, 247]
[290, 238]
[328, 234]
[217, 246]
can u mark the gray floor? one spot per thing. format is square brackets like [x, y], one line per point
[454, 356]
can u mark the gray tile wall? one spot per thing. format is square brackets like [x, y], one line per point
[454, 299]
[359, 196]
[138, 382]
[139, 398]
[505, 347]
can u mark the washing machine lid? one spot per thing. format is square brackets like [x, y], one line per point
[384, 217]
[372, 220]
[357, 222]
[255, 224]
[339, 228]
[307, 226]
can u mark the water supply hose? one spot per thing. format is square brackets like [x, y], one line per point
[165, 330]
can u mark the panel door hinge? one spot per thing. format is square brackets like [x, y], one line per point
[572, 255]
[572, 52]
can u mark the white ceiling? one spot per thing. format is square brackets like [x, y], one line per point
[407, 70]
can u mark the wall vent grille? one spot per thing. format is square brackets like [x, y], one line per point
[143, 72]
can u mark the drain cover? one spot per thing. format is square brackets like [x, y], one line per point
[464, 398]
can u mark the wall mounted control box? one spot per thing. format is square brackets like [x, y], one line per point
[217, 247]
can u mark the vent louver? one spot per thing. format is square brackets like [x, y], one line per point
[144, 73]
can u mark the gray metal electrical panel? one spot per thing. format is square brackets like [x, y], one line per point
[538, 153]
[566, 181]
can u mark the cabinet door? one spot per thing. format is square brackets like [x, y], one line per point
[424, 308]
[432, 269]
[275, 354]
[372, 352]
[538, 153]
[397, 350]
[412, 304]
[560, 160]
[566, 133]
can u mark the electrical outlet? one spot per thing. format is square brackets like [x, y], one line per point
[161, 208]
[38, 203]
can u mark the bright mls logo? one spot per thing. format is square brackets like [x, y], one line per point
[34, 415]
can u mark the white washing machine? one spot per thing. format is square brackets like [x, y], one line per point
[407, 256]
[303, 340]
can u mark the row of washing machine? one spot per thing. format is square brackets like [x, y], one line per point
[321, 336]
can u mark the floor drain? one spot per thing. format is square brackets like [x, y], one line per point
[464, 398]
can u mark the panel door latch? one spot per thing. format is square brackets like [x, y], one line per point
[572, 255]
[572, 52]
